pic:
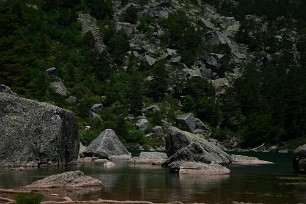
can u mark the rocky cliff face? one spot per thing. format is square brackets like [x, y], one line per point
[36, 133]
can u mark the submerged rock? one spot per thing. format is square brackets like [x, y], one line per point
[299, 159]
[71, 179]
[246, 160]
[107, 145]
[109, 164]
[34, 132]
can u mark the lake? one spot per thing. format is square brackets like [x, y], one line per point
[276, 183]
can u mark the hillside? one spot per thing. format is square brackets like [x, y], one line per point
[135, 66]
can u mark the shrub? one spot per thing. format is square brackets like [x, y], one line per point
[100, 8]
[119, 45]
[130, 15]
[87, 136]
[135, 136]
[144, 25]
[156, 118]
[31, 198]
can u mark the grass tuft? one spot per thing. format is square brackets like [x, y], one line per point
[29, 198]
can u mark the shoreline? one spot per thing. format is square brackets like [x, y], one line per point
[7, 196]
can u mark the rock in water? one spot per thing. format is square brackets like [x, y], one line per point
[196, 168]
[107, 145]
[186, 146]
[299, 159]
[109, 164]
[71, 179]
[152, 158]
[35, 132]
[246, 160]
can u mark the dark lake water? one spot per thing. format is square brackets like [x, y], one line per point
[276, 183]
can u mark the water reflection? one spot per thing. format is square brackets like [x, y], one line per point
[257, 184]
[13, 179]
[202, 181]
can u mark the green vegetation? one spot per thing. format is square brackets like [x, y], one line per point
[130, 15]
[182, 35]
[100, 9]
[31, 198]
[265, 105]
[270, 8]
[295, 181]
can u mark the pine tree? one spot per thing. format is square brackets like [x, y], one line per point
[158, 86]
[136, 98]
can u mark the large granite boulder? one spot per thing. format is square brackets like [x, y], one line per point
[59, 87]
[70, 179]
[149, 60]
[151, 109]
[52, 72]
[34, 132]
[127, 27]
[192, 73]
[158, 131]
[186, 146]
[142, 124]
[97, 108]
[107, 145]
[220, 84]
[299, 159]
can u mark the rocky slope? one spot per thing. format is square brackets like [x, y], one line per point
[149, 47]
[219, 30]
[135, 66]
